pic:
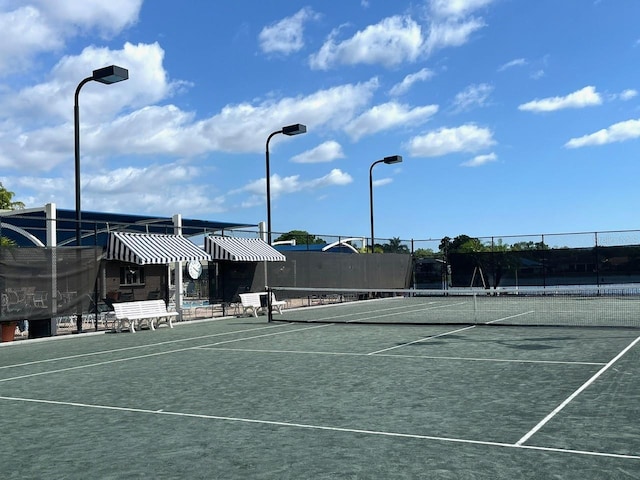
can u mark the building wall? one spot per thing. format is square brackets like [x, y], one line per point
[155, 282]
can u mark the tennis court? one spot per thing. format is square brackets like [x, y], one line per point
[243, 398]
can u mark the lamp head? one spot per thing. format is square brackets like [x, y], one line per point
[109, 75]
[393, 159]
[296, 129]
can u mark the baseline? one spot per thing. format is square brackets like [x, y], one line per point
[320, 427]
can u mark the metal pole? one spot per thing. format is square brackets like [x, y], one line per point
[371, 199]
[268, 172]
[76, 131]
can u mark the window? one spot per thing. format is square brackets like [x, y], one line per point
[131, 275]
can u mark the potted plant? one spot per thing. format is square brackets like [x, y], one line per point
[8, 331]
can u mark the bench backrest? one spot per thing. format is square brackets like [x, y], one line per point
[250, 299]
[141, 308]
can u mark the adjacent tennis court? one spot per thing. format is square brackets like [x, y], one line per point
[243, 398]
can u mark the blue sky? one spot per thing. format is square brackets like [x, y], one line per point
[512, 116]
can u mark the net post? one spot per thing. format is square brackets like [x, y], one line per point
[269, 305]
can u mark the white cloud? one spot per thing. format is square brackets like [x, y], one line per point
[518, 62]
[400, 39]
[472, 96]
[405, 85]
[333, 109]
[392, 41]
[618, 132]
[335, 177]
[147, 84]
[45, 26]
[466, 138]
[457, 8]
[387, 116]
[628, 94]
[585, 97]
[38, 120]
[137, 179]
[538, 74]
[292, 184]
[453, 33]
[149, 130]
[452, 25]
[108, 17]
[287, 35]
[480, 160]
[382, 182]
[325, 152]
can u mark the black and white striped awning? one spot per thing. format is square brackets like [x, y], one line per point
[241, 249]
[147, 248]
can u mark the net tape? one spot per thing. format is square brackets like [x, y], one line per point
[585, 306]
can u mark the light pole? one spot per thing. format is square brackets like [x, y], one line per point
[106, 75]
[388, 161]
[289, 130]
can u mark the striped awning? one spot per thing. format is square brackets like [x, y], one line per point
[241, 249]
[148, 248]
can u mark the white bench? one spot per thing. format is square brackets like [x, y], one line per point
[277, 304]
[133, 314]
[251, 303]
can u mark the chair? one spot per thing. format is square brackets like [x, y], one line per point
[40, 299]
[16, 297]
[66, 321]
[8, 306]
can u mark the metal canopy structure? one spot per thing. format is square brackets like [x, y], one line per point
[150, 248]
[29, 227]
[241, 249]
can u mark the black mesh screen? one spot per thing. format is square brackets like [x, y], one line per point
[39, 283]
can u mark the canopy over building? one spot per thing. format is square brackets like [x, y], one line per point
[49, 226]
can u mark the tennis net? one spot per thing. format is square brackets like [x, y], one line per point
[584, 306]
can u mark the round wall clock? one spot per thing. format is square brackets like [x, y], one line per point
[194, 269]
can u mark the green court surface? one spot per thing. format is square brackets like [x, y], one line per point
[242, 398]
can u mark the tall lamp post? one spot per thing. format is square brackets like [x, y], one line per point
[388, 161]
[106, 75]
[289, 130]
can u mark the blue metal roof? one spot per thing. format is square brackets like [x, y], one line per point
[314, 247]
[97, 225]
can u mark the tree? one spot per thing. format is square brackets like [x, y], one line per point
[395, 246]
[7, 203]
[424, 253]
[301, 237]
[519, 246]
[6, 200]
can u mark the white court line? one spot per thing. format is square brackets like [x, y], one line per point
[428, 357]
[421, 340]
[168, 342]
[204, 347]
[546, 419]
[107, 362]
[369, 316]
[321, 427]
[511, 316]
